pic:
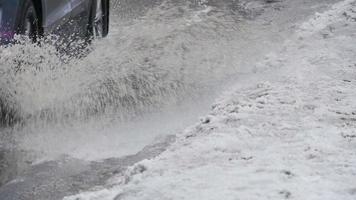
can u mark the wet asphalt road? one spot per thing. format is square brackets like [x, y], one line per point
[67, 176]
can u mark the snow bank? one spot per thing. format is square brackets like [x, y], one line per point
[290, 134]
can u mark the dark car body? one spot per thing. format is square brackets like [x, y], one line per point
[51, 13]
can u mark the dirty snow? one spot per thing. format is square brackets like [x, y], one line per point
[286, 132]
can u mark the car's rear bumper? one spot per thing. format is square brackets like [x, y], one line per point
[9, 10]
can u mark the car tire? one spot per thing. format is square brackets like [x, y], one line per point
[29, 24]
[98, 26]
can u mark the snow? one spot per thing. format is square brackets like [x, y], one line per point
[286, 131]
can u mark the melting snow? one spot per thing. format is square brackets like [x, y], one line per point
[288, 131]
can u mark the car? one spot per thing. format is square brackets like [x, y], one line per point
[37, 18]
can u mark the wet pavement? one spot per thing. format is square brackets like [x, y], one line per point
[67, 176]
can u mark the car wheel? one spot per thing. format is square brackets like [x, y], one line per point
[29, 22]
[99, 19]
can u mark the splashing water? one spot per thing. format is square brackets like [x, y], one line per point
[174, 52]
[146, 63]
